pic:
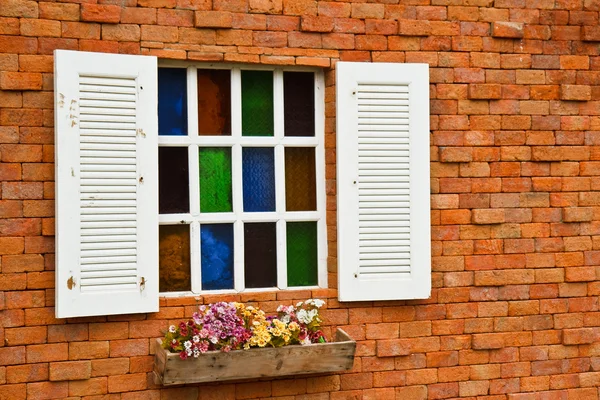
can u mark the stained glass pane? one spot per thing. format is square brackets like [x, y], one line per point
[300, 179]
[215, 179]
[258, 173]
[172, 101]
[173, 180]
[302, 253]
[257, 103]
[260, 255]
[216, 246]
[214, 102]
[174, 253]
[299, 103]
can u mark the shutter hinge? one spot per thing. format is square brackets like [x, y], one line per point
[141, 132]
[142, 284]
[71, 283]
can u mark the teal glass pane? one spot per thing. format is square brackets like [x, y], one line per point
[172, 101]
[216, 246]
[215, 179]
[302, 253]
[257, 103]
[258, 178]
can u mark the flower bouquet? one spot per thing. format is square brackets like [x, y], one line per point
[234, 326]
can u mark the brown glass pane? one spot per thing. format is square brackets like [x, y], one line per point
[260, 255]
[300, 179]
[214, 102]
[173, 178]
[174, 258]
[299, 103]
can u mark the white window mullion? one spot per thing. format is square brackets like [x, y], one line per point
[195, 257]
[194, 177]
[320, 177]
[236, 180]
[192, 101]
[279, 125]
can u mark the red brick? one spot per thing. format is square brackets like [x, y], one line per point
[70, 370]
[101, 13]
[213, 19]
[47, 390]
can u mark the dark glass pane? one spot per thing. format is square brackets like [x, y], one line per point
[214, 102]
[299, 103]
[302, 253]
[215, 179]
[258, 175]
[257, 103]
[173, 180]
[174, 253]
[260, 255]
[172, 101]
[216, 246]
[300, 179]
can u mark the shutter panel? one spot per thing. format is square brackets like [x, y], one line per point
[106, 184]
[384, 239]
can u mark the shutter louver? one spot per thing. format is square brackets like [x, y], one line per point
[383, 181]
[106, 155]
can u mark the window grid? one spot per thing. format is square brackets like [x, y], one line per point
[236, 142]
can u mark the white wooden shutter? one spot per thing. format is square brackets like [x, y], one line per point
[384, 245]
[106, 140]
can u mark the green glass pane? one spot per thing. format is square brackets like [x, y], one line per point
[215, 179]
[302, 254]
[174, 258]
[257, 103]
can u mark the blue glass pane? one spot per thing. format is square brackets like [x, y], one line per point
[172, 101]
[258, 178]
[216, 246]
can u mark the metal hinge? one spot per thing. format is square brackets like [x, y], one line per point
[71, 283]
[142, 283]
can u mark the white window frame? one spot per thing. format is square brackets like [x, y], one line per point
[236, 141]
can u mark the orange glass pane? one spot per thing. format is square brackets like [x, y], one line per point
[300, 179]
[174, 258]
[214, 102]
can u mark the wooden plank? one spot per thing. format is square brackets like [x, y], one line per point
[217, 366]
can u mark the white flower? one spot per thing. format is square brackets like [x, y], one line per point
[303, 317]
[187, 344]
[312, 314]
[188, 352]
[172, 329]
[318, 303]
[214, 339]
[299, 304]
[196, 339]
[196, 353]
[305, 341]
[285, 319]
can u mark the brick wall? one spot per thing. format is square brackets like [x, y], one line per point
[515, 117]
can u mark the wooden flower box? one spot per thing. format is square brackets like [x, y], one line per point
[216, 366]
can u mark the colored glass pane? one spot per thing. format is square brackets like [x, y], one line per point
[299, 103]
[214, 102]
[174, 256]
[258, 175]
[173, 180]
[300, 179]
[257, 103]
[172, 101]
[302, 259]
[216, 247]
[260, 255]
[215, 179]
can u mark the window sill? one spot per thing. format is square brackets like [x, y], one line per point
[217, 366]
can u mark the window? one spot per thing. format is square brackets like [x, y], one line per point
[225, 179]
[241, 179]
